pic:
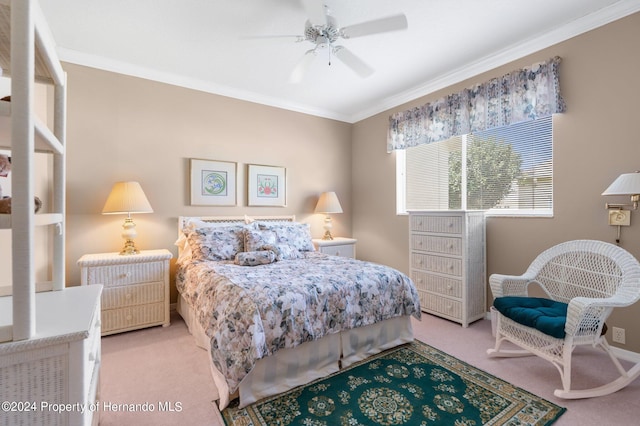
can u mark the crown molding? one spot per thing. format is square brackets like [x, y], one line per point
[125, 68]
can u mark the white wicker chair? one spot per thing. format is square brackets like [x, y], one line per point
[592, 277]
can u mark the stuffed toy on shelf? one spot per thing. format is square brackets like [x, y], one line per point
[5, 202]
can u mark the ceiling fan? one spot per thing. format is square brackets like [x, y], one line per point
[323, 32]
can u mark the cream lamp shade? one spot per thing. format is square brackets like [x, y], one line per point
[625, 184]
[328, 203]
[127, 198]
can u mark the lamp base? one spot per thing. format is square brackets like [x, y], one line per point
[327, 228]
[129, 248]
[128, 234]
[327, 235]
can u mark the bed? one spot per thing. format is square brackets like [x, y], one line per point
[273, 313]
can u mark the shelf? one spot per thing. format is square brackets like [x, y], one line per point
[45, 141]
[41, 219]
[47, 65]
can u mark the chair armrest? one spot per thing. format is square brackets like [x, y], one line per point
[509, 285]
[586, 315]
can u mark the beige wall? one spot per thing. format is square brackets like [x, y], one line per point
[594, 141]
[124, 128]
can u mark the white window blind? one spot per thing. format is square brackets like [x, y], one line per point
[508, 170]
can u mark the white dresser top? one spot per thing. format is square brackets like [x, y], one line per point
[98, 259]
[61, 316]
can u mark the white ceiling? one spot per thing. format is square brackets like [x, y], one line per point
[202, 44]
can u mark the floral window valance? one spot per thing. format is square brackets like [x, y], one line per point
[521, 95]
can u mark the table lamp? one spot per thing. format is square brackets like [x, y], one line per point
[328, 203]
[127, 198]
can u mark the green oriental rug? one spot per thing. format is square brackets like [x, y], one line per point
[413, 384]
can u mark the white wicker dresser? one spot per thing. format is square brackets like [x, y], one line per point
[447, 256]
[136, 288]
[52, 378]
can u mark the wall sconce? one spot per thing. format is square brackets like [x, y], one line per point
[127, 198]
[328, 203]
[625, 184]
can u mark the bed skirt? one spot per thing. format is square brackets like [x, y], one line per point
[300, 365]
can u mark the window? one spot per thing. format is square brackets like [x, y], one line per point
[509, 171]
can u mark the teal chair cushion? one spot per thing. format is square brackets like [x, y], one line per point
[545, 315]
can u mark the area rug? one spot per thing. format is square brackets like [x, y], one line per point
[413, 384]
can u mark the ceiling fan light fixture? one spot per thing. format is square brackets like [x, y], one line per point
[322, 42]
[322, 30]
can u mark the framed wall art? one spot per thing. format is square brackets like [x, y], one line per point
[267, 186]
[213, 183]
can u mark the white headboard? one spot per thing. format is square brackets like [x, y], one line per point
[231, 220]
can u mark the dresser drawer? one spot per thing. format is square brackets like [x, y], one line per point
[130, 317]
[439, 264]
[117, 275]
[437, 284]
[444, 245]
[92, 351]
[130, 295]
[345, 250]
[441, 305]
[437, 224]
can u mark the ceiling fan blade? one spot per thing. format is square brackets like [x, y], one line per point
[382, 25]
[302, 67]
[295, 38]
[352, 61]
[316, 12]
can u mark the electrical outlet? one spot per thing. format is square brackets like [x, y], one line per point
[619, 217]
[618, 335]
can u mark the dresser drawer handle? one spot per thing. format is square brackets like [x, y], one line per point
[450, 266]
[127, 296]
[337, 252]
[450, 246]
[449, 287]
[449, 308]
[129, 317]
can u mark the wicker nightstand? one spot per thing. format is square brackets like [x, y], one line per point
[339, 246]
[136, 288]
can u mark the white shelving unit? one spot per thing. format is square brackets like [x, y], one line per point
[27, 54]
[50, 340]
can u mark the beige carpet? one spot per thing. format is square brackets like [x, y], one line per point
[163, 368]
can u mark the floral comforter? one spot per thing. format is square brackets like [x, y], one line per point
[252, 312]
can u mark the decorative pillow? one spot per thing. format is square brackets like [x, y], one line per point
[254, 240]
[255, 258]
[218, 243]
[184, 252]
[283, 251]
[295, 234]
